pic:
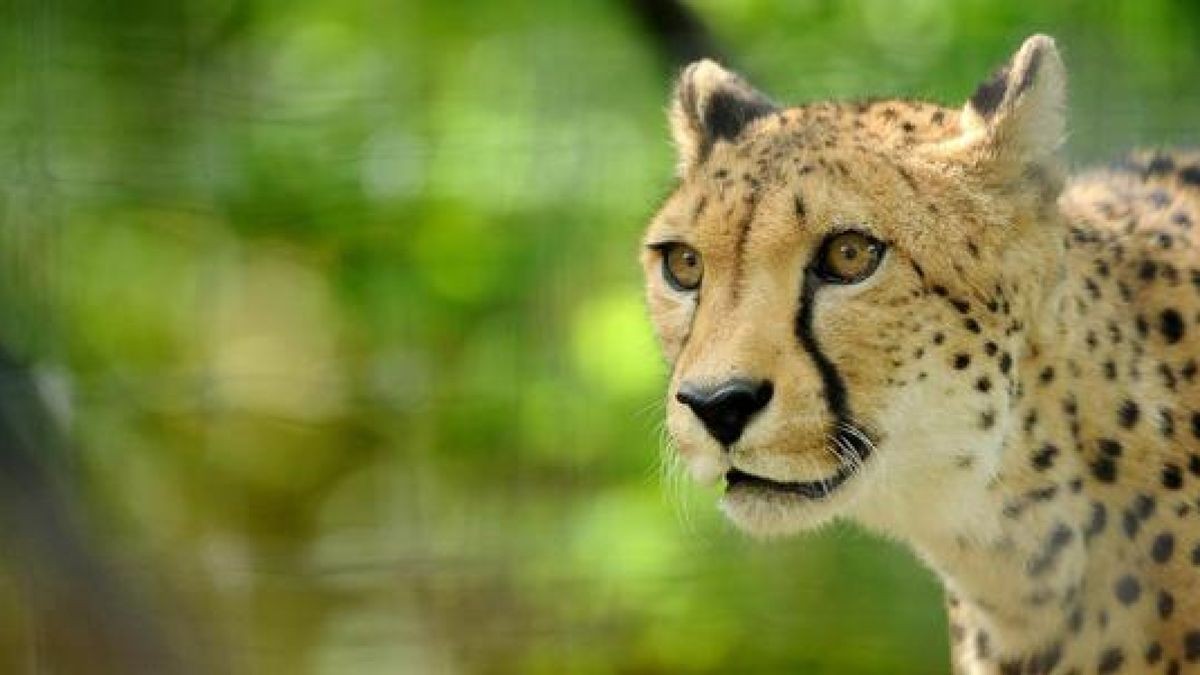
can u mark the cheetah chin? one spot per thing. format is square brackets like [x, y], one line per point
[767, 507]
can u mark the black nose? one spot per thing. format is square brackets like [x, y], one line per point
[727, 408]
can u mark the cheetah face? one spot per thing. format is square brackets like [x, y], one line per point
[825, 284]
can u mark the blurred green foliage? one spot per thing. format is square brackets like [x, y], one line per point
[347, 297]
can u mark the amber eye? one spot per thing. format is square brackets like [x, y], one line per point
[682, 266]
[849, 257]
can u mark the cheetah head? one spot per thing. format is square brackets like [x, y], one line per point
[841, 289]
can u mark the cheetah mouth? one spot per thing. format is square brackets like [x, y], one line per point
[854, 449]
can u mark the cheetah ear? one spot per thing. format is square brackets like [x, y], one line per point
[711, 104]
[1017, 117]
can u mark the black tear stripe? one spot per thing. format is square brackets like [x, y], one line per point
[831, 381]
[835, 395]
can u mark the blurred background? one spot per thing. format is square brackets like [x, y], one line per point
[325, 348]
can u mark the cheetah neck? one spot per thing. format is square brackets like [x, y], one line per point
[1054, 546]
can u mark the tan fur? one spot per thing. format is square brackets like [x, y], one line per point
[1063, 303]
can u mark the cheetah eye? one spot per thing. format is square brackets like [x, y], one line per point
[848, 257]
[682, 266]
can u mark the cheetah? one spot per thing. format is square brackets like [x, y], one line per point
[908, 316]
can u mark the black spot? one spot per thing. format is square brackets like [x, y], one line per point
[1005, 362]
[1153, 653]
[1096, 524]
[1163, 547]
[1143, 326]
[1111, 660]
[961, 361]
[1166, 604]
[1172, 477]
[938, 338]
[1190, 175]
[1110, 370]
[1046, 660]
[983, 384]
[1042, 494]
[1196, 555]
[1130, 523]
[990, 348]
[1060, 537]
[1128, 414]
[1044, 458]
[1104, 470]
[1075, 620]
[1168, 377]
[1012, 510]
[972, 325]
[1143, 506]
[801, 209]
[961, 305]
[982, 647]
[1160, 164]
[1166, 422]
[1109, 447]
[1170, 323]
[1147, 269]
[1196, 424]
[987, 419]
[1191, 646]
[1194, 464]
[1127, 590]
[1047, 375]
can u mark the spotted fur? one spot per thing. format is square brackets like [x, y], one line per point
[1014, 392]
